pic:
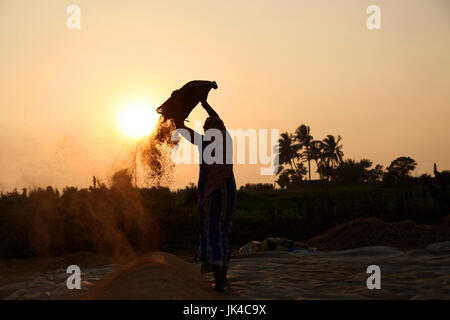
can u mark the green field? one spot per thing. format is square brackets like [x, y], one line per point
[123, 219]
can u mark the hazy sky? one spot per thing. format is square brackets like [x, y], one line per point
[278, 64]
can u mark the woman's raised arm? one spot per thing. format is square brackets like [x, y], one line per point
[190, 135]
[209, 109]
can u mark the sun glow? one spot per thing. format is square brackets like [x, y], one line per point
[137, 119]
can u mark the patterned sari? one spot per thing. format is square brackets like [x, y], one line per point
[217, 203]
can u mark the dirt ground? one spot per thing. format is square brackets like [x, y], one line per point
[158, 275]
[363, 232]
[26, 271]
[412, 268]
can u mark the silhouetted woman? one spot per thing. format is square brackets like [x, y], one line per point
[217, 197]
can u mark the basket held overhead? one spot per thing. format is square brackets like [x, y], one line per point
[183, 100]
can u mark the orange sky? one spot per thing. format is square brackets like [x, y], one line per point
[278, 64]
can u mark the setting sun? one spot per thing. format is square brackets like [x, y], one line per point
[137, 119]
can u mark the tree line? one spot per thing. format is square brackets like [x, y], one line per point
[297, 150]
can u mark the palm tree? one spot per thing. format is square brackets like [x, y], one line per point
[283, 180]
[288, 150]
[304, 138]
[332, 151]
[296, 176]
[316, 153]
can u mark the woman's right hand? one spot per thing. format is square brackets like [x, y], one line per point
[209, 109]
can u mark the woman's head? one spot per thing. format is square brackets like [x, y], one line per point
[213, 123]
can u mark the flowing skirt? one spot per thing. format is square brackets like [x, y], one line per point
[216, 213]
